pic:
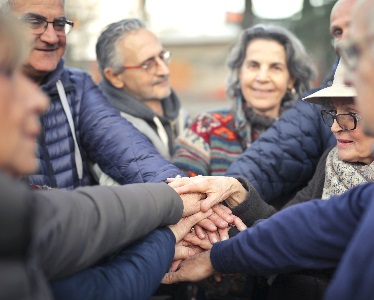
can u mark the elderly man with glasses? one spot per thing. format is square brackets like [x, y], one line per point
[80, 125]
[134, 67]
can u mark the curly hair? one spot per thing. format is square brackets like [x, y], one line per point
[299, 63]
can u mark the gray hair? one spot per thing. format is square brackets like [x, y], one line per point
[6, 5]
[299, 63]
[106, 47]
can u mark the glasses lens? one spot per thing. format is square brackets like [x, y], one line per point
[346, 122]
[327, 118]
[166, 57]
[36, 25]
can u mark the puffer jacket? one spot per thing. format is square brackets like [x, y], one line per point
[284, 158]
[102, 134]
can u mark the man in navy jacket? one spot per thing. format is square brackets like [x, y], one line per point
[284, 158]
[317, 234]
[80, 125]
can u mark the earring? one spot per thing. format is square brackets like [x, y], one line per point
[291, 91]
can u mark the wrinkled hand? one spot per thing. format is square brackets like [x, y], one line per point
[195, 268]
[185, 224]
[191, 203]
[217, 189]
[216, 227]
[183, 250]
[193, 240]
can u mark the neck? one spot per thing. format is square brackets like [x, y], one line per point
[155, 106]
[36, 77]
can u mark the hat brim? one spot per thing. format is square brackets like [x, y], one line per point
[325, 94]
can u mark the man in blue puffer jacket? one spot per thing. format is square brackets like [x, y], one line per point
[80, 125]
[284, 158]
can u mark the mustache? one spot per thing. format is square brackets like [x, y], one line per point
[161, 79]
[45, 46]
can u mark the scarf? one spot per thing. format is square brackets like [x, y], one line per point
[251, 125]
[342, 176]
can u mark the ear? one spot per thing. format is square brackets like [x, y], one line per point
[115, 79]
[291, 83]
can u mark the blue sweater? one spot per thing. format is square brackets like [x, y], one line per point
[139, 270]
[313, 235]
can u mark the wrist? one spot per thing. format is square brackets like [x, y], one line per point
[239, 193]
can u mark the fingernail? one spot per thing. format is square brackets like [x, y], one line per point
[214, 240]
[224, 238]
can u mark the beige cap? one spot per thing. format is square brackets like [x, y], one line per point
[337, 89]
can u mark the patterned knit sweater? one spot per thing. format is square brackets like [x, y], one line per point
[216, 139]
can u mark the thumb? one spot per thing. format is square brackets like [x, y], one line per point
[170, 278]
[185, 224]
[181, 252]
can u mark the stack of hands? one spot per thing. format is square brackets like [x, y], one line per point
[204, 222]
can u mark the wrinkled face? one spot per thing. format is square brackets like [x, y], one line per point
[137, 48]
[362, 77]
[340, 19]
[353, 145]
[34, 104]
[12, 113]
[264, 76]
[48, 47]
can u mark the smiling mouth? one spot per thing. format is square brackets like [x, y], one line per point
[261, 90]
[344, 142]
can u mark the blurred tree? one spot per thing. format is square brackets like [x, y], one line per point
[248, 19]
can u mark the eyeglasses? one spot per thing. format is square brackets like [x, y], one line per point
[151, 64]
[350, 50]
[345, 121]
[38, 25]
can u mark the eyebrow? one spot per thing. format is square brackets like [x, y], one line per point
[152, 57]
[40, 17]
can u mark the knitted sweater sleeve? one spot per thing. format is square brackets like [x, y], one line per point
[192, 148]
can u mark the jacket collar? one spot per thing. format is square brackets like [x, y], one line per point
[49, 83]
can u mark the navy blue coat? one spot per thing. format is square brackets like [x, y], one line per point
[284, 158]
[103, 137]
[312, 235]
[139, 271]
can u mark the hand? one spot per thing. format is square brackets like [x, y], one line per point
[192, 239]
[183, 250]
[191, 203]
[216, 228]
[195, 268]
[185, 224]
[217, 189]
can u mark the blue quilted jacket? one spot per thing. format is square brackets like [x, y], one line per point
[284, 158]
[102, 134]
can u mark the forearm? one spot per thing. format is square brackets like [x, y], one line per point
[253, 207]
[74, 230]
[310, 235]
[135, 273]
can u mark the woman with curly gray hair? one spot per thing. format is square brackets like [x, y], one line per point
[269, 70]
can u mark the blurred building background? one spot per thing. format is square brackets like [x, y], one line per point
[200, 33]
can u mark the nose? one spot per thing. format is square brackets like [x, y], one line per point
[262, 74]
[162, 67]
[335, 127]
[49, 35]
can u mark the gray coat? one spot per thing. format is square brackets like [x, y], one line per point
[47, 235]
